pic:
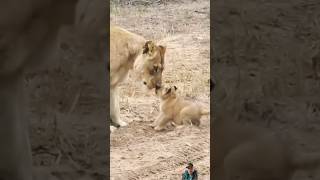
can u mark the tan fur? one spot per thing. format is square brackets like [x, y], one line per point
[129, 51]
[176, 109]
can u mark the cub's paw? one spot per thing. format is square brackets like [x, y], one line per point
[153, 125]
[158, 128]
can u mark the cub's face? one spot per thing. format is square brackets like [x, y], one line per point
[167, 92]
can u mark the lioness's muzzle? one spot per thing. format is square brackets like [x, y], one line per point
[158, 86]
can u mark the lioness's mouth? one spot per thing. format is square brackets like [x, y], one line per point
[157, 90]
[158, 87]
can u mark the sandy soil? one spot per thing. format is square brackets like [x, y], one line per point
[137, 151]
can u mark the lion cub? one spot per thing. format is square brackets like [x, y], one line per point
[176, 109]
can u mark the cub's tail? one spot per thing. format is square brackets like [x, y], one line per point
[204, 112]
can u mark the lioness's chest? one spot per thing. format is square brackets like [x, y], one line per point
[119, 75]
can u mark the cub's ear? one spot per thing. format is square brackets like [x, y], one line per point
[175, 87]
[148, 47]
[169, 90]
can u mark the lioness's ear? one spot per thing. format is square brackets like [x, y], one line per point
[162, 50]
[148, 47]
[175, 87]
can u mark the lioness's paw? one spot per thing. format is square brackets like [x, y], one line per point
[118, 123]
[153, 125]
[122, 123]
[112, 128]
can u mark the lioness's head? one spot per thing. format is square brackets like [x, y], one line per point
[150, 64]
[167, 92]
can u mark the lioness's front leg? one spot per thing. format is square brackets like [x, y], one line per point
[115, 108]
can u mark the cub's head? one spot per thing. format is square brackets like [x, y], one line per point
[167, 92]
[150, 64]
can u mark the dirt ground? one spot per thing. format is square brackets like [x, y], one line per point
[137, 151]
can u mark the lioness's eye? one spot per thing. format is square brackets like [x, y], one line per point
[151, 72]
[155, 68]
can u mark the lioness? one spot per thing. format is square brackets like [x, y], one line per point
[176, 109]
[131, 51]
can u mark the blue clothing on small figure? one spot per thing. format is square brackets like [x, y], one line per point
[187, 176]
